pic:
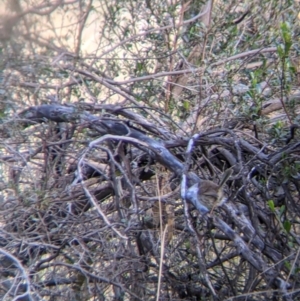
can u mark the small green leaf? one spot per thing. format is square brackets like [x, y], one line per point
[282, 209]
[287, 265]
[281, 51]
[139, 66]
[287, 226]
[187, 245]
[287, 37]
[186, 105]
[271, 205]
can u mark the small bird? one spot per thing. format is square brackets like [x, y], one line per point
[210, 194]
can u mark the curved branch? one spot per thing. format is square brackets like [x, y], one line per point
[15, 262]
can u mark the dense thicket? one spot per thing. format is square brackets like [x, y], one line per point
[112, 114]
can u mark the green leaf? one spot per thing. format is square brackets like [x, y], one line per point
[287, 265]
[287, 226]
[280, 51]
[282, 209]
[139, 66]
[271, 205]
[186, 105]
[287, 37]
